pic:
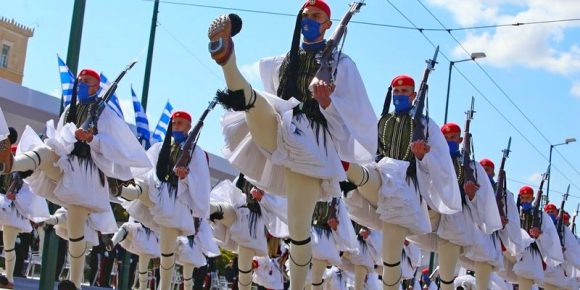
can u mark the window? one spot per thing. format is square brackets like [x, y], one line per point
[4, 55]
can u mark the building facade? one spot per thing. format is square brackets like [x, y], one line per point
[13, 44]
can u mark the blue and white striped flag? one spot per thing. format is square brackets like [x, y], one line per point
[161, 128]
[67, 81]
[141, 121]
[114, 101]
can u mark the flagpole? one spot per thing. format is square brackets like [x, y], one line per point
[149, 56]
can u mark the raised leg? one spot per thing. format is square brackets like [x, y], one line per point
[367, 180]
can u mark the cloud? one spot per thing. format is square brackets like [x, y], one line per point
[575, 90]
[543, 46]
[535, 178]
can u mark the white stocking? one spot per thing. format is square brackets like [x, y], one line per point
[9, 238]
[360, 274]
[77, 217]
[525, 284]
[302, 192]
[368, 181]
[318, 267]
[168, 244]
[41, 157]
[482, 273]
[228, 211]
[448, 256]
[143, 268]
[245, 257]
[393, 238]
[188, 276]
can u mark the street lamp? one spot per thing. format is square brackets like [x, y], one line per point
[566, 141]
[474, 56]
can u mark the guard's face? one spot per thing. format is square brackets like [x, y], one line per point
[454, 137]
[319, 16]
[526, 198]
[408, 91]
[180, 124]
[489, 170]
[92, 82]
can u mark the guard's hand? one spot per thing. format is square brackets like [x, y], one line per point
[84, 136]
[504, 221]
[333, 223]
[535, 232]
[364, 233]
[321, 91]
[470, 189]
[257, 194]
[420, 148]
[11, 195]
[181, 172]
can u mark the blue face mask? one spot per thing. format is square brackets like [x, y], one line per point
[178, 136]
[554, 217]
[402, 103]
[526, 205]
[310, 29]
[453, 148]
[425, 278]
[83, 93]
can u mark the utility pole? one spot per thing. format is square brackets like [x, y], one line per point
[149, 56]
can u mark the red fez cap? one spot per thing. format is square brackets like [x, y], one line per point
[526, 190]
[403, 80]
[90, 72]
[425, 271]
[566, 217]
[450, 128]
[486, 162]
[320, 4]
[13, 148]
[181, 114]
[550, 206]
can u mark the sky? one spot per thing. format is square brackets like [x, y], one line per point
[528, 86]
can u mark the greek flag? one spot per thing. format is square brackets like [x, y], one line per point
[67, 81]
[114, 101]
[161, 128]
[141, 122]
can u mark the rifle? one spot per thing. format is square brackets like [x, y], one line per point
[327, 70]
[573, 225]
[95, 113]
[560, 220]
[468, 172]
[536, 212]
[500, 192]
[418, 127]
[16, 183]
[184, 156]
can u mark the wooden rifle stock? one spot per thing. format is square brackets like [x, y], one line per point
[536, 211]
[560, 220]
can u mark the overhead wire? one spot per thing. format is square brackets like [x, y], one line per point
[504, 93]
